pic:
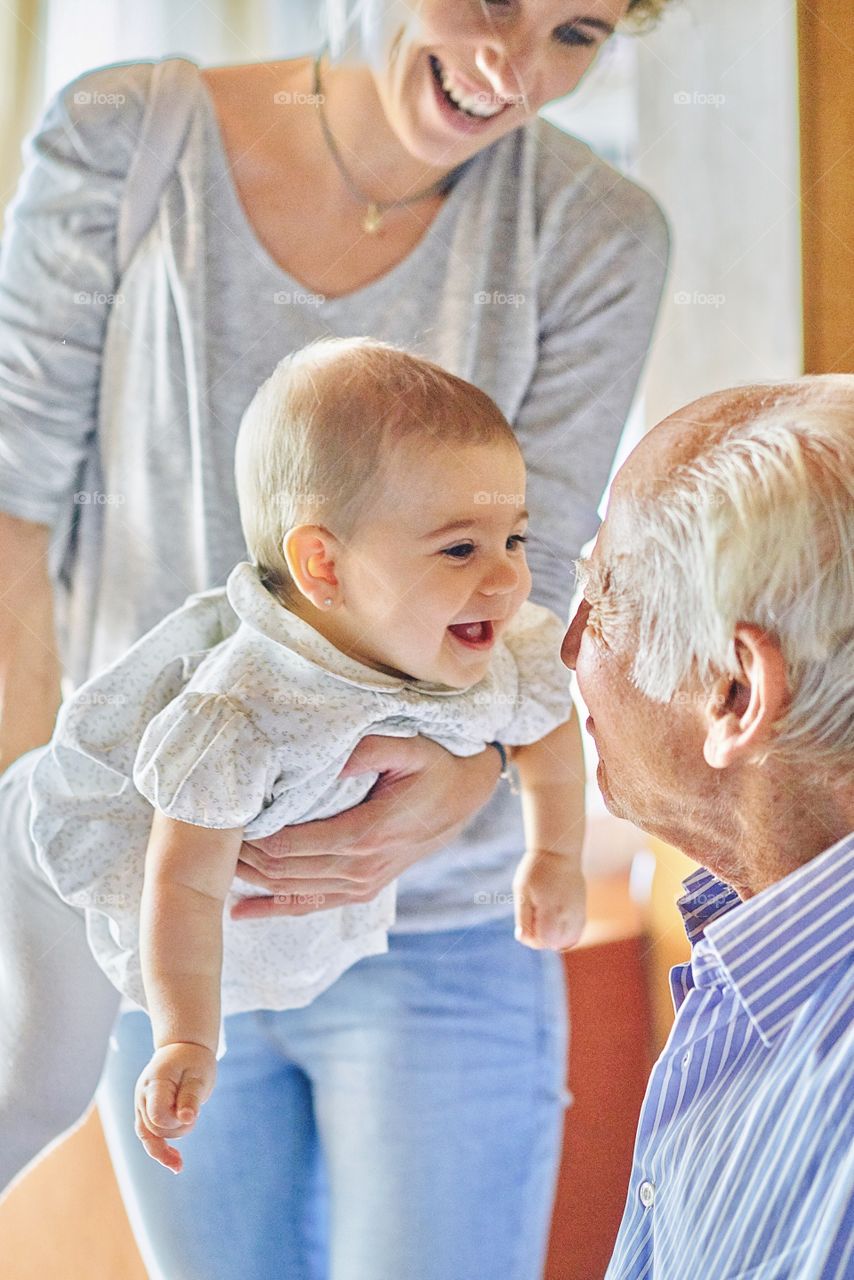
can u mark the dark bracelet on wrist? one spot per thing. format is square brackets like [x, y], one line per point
[507, 772]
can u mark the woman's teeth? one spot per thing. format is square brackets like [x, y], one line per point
[472, 104]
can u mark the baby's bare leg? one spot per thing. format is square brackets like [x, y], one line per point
[56, 1007]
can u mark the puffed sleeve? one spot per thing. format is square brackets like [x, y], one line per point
[58, 280]
[543, 699]
[202, 760]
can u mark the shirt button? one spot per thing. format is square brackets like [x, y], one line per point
[646, 1192]
[686, 1059]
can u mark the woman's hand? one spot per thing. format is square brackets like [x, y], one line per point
[169, 1094]
[550, 899]
[420, 803]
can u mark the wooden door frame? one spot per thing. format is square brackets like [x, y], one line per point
[826, 93]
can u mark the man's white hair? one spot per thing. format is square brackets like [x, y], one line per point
[757, 528]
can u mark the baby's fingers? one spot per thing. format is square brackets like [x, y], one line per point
[559, 928]
[157, 1103]
[158, 1148]
[526, 920]
[193, 1091]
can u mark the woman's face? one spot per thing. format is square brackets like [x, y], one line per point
[456, 76]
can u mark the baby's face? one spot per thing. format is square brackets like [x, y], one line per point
[434, 574]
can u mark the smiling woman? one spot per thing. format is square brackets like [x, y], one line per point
[508, 254]
[491, 64]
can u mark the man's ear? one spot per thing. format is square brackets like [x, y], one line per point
[744, 707]
[310, 552]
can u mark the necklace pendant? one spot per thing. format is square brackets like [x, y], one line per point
[372, 220]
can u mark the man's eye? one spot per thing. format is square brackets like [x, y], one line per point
[460, 551]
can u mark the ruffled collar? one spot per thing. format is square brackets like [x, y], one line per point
[258, 609]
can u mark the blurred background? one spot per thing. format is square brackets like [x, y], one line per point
[739, 117]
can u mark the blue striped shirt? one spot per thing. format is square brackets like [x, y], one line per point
[744, 1159]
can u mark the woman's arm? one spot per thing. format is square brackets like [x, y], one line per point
[421, 802]
[29, 666]
[548, 887]
[57, 273]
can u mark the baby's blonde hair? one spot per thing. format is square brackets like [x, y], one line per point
[313, 442]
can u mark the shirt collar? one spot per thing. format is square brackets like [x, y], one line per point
[258, 609]
[705, 899]
[776, 948]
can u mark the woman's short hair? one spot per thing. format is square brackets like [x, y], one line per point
[758, 527]
[643, 14]
[313, 442]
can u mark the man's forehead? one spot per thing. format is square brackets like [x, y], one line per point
[674, 442]
[681, 436]
[677, 440]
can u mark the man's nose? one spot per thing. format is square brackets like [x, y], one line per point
[572, 639]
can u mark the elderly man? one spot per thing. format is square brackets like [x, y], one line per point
[714, 648]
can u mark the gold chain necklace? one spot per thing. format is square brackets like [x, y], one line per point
[376, 209]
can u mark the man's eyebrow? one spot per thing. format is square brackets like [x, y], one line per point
[590, 574]
[454, 525]
[583, 569]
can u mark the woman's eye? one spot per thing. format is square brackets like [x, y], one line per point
[460, 551]
[515, 541]
[573, 36]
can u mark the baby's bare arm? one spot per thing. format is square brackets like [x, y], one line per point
[188, 872]
[548, 888]
[552, 775]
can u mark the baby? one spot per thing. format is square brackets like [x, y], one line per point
[382, 503]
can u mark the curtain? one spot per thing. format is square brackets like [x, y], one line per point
[22, 59]
[718, 145]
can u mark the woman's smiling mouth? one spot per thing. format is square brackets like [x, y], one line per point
[474, 108]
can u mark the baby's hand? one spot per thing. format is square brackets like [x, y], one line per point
[550, 897]
[169, 1094]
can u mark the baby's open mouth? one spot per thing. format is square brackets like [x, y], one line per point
[475, 635]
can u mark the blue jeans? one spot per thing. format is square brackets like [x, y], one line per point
[404, 1126]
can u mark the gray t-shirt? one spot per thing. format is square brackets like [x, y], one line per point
[120, 395]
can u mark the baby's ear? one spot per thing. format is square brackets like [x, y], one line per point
[309, 551]
[744, 706]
